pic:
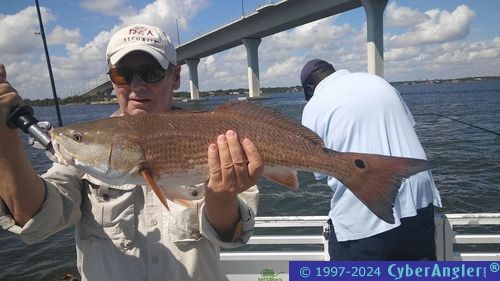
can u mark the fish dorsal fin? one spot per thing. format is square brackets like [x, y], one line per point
[259, 113]
[185, 110]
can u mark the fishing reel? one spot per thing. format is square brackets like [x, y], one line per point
[22, 118]
[45, 126]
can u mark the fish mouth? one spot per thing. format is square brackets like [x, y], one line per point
[62, 155]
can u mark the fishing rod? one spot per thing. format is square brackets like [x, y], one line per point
[42, 32]
[469, 124]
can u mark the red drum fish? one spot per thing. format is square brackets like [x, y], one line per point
[169, 152]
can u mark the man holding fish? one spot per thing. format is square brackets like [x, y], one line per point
[137, 225]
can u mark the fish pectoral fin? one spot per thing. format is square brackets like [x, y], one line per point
[282, 175]
[176, 197]
[148, 176]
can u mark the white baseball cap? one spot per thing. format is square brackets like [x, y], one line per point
[141, 37]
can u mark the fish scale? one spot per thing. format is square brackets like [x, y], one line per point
[187, 149]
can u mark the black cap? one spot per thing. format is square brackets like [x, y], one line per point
[309, 68]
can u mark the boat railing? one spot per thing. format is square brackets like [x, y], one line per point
[469, 236]
[458, 237]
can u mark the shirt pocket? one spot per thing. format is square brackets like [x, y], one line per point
[108, 214]
[183, 225]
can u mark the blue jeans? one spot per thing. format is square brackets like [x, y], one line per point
[412, 240]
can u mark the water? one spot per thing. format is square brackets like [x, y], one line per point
[466, 161]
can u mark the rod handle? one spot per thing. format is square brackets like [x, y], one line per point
[21, 117]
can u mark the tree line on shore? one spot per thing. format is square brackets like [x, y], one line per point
[86, 99]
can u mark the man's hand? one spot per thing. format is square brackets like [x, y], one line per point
[234, 168]
[8, 99]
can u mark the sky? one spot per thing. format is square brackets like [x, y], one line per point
[422, 40]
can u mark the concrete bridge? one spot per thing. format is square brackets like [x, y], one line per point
[101, 92]
[275, 18]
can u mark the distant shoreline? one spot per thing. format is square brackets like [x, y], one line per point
[444, 81]
[179, 96]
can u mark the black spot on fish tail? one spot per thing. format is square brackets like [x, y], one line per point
[360, 163]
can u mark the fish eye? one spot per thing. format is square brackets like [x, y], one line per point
[78, 137]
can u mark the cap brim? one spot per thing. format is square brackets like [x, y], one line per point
[116, 57]
[306, 93]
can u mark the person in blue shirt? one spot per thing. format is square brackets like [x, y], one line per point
[361, 112]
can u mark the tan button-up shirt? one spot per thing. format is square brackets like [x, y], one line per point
[125, 233]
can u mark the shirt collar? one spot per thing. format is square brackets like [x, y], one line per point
[331, 77]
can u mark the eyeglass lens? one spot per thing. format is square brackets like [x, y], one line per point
[148, 74]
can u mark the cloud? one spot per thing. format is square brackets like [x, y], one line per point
[317, 34]
[61, 35]
[459, 52]
[447, 60]
[108, 7]
[438, 27]
[282, 55]
[22, 50]
[282, 70]
[163, 13]
[399, 54]
[402, 16]
[437, 47]
[19, 33]
[223, 70]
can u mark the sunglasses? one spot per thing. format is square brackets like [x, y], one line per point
[148, 74]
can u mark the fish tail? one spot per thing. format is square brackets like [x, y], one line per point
[375, 179]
